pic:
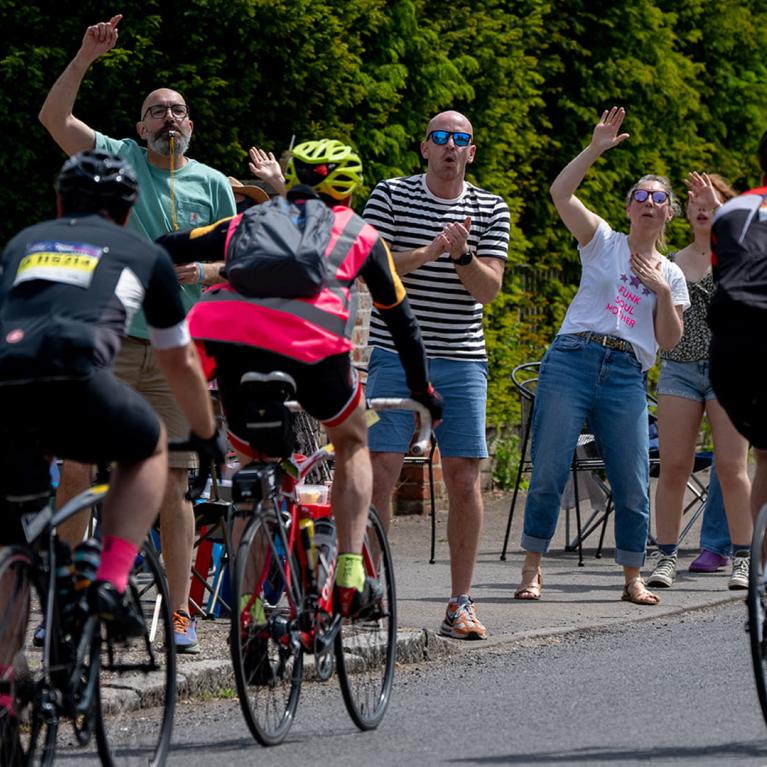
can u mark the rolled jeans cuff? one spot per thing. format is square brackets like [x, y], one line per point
[538, 545]
[629, 558]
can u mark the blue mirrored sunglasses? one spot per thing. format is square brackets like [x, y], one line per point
[441, 137]
[641, 195]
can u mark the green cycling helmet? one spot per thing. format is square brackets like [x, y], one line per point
[328, 166]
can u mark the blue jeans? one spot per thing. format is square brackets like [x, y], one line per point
[714, 532]
[579, 380]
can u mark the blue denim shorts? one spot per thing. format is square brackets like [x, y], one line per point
[686, 379]
[463, 386]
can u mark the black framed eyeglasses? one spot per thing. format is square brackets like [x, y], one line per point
[658, 197]
[157, 111]
[441, 137]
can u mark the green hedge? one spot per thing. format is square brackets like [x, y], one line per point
[532, 75]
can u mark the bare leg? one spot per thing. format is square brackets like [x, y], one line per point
[386, 471]
[678, 425]
[134, 497]
[352, 488]
[75, 479]
[177, 538]
[731, 451]
[464, 521]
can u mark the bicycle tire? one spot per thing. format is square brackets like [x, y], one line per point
[757, 608]
[139, 736]
[22, 588]
[366, 648]
[267, 665]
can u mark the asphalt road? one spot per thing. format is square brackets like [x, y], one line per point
[676, 691]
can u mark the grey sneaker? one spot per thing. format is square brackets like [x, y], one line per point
[664, 573]
[739, 577]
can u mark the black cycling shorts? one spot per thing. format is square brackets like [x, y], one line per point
[328, 390]
[96, 420]
[738, 368]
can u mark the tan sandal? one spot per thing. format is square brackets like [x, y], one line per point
[635, 592]
[531, 587]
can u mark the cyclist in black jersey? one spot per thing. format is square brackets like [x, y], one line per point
[738, 316]
[68, 290]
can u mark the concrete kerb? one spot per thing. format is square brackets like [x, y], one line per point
[576, 601]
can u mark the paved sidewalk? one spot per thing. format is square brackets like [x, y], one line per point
[574, 598]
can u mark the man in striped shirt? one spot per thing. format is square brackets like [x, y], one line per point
[449, 240]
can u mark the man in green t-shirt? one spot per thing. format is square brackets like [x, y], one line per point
[175, 192]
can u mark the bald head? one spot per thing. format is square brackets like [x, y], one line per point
[449, 120]
[161, 96]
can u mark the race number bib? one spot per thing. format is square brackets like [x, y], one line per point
[67, 262]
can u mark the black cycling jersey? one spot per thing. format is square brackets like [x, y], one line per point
[68, 290]
[739, 259]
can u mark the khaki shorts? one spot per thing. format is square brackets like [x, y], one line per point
[137, 366]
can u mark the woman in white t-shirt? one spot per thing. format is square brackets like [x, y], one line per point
[630, 301]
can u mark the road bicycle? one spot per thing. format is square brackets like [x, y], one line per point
[757, 607]
[283, 587]
[116, 691]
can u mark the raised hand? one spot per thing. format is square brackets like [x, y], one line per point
[263, 165]
[100, 38]
[606, 134]
[701, 190]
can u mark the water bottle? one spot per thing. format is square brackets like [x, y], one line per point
[274, 584]
[326, 547]
[64, 579]
[64, 572]
[306, 526]
[85, 560]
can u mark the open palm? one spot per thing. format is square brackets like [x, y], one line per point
[606, 134]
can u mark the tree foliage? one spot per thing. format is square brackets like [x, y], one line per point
[532, 75]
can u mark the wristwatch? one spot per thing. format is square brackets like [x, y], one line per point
[463, 259]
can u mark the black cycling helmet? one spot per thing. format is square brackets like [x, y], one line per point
[94, 180]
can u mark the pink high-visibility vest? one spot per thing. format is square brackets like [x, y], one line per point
[304, 329]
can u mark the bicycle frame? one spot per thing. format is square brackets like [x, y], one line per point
[314, 633]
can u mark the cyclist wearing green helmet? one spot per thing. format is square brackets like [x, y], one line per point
[309, 337]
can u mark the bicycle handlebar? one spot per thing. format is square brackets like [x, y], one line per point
[204, 472]
[423, 440]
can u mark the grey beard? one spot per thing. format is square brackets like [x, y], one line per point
[160, 144]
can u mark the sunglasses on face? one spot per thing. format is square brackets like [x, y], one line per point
[641, 195]
[441, 137]
[179, 111]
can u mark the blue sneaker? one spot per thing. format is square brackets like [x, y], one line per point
[185, 633]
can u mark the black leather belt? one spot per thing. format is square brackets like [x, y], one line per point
[611, 342]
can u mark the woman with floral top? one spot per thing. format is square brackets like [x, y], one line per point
[685, 393]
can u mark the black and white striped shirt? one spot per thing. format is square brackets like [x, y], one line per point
[409, 216]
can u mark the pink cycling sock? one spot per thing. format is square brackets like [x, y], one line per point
[117, 558]
[6, 700]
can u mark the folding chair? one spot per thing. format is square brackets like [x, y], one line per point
[525, 379]
[209, 591]
[428, 461]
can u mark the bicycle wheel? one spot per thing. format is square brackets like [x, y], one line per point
[266, 656]
[757, 604]
[25, 737]
[366, 647]
[137, 677]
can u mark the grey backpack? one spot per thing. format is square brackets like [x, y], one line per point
[278, 249]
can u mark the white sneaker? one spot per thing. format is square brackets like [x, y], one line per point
[664, 573]
[739, 577]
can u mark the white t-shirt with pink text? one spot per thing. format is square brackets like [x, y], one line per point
[612, 301]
